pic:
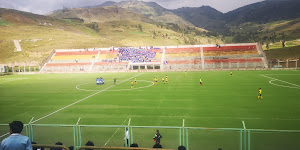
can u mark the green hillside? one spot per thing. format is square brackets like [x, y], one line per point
[284, 53]
[51, 33]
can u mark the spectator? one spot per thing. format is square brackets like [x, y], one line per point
[58, 143]
[157, 137]
[71, 147]
[16, 141]
[181, 148]
[126, 138]
[37, 148]
[157, 145]
[134, 145]
[89, 143]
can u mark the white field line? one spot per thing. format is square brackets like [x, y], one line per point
[273, 79]
[83, 99]
[282, 74]
[77, 87]
[295, 87]
[239, 118]
[114, 133]
[77, 102]
[12, 79]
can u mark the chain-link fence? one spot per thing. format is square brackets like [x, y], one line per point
[284, 64]
[193, 138]
[51, 134]
[212, 139]
[143, 135]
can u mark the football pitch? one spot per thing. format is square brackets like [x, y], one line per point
[223, 101]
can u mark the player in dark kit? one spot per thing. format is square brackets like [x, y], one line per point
[115, 81]
[157, 137]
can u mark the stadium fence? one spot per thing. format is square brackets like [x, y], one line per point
[192, 138]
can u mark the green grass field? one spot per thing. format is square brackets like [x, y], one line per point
[222, 102]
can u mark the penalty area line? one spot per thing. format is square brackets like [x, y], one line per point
[274, 79]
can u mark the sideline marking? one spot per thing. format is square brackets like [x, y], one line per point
[241, 118]
[77, 86]
[12, 79]
[114, 133]
[77, 102]
[274, 79]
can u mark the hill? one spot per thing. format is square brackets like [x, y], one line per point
[284, 53]
[107, 3]
[265, 11]
[203, 17]
[153, 11]
[100, 14]
[40, 34]
[249, 22]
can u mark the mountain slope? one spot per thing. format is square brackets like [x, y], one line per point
[204, 16]
[265, 11]
[153, 11]
[100, 14]
[107, 3]
[40, 34]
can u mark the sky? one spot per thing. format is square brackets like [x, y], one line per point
[45, 6]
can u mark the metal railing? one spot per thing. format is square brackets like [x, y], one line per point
[49, 146]
[192, 138]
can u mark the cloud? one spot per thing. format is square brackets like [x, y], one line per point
[45, 6]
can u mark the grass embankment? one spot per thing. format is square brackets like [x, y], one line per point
[284, 53]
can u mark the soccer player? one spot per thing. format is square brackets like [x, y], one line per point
[115, 81]
[185, 74]
[163, 80]
[167, 79]
[259, 94]
[154, 81]
[132, 84]
[135, 81]
[201, 81]
[230, 73]
[97, 81]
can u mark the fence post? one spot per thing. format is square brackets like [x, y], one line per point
[241, 140]
[78, 134]
[248, 139]
[74, 130]
[125, 141]
[183, 142]
[131, 135]
[129, 140]
[245, 136]
[179, 136]
[29, 129]
[187, 139]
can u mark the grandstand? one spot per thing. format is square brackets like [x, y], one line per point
[196, 57]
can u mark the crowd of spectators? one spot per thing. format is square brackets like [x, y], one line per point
[135, 55]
